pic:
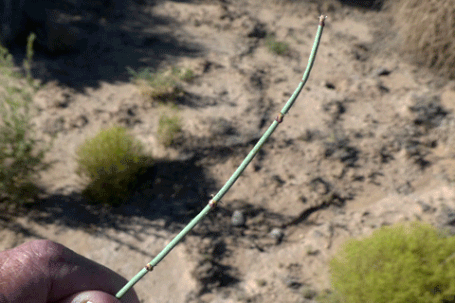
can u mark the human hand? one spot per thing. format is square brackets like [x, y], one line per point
[42, 271]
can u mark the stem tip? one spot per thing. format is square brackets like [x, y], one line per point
[321, 20]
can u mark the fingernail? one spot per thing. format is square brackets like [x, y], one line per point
[80, 299]
[92, 297]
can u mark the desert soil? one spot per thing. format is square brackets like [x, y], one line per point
[369, 142]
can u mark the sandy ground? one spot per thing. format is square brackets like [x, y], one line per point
[369, 142]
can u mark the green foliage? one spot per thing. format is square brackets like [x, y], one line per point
[276, 47]
[28, 61]
[162, 85]
[169, 126]
[7, 64]
[20, 156]
[398, 264]
[186, 75]
[112, 161]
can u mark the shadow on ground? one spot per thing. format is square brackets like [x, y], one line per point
[109, 47]
[369, 4]
[170, 191]
[168, 196]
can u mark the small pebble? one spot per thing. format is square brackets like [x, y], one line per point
[238, 218]
[277, 234]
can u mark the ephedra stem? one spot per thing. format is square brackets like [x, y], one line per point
[212, 203]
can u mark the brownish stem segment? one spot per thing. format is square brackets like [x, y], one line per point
[322, 19]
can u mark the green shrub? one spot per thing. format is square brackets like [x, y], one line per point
[21, 157]
[27, 64]
[7, 63]
[112, 161]
[276, 47]
[162, 85]
[186, 75]
[398, 264]
[169, 126]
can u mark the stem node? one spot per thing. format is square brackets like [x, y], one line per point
[149, 267]
[213, 203]
[279, 118]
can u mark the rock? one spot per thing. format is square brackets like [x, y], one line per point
[277, 234]
[238, 218]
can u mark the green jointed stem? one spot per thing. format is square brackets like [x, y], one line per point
[235, 175]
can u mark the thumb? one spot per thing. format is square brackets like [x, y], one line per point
[93, 296]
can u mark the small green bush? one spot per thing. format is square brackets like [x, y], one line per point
[186, 75]
[276, 47]
[112, 161]
[7, 63]
[21, 156]
[398, 264]
[27, 64]
[161, 85]
[169, 126]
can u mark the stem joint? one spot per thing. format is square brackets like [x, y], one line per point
[213, 203]
[149, 267]
[279, 118]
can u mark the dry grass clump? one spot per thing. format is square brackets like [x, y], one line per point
[427, 31]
